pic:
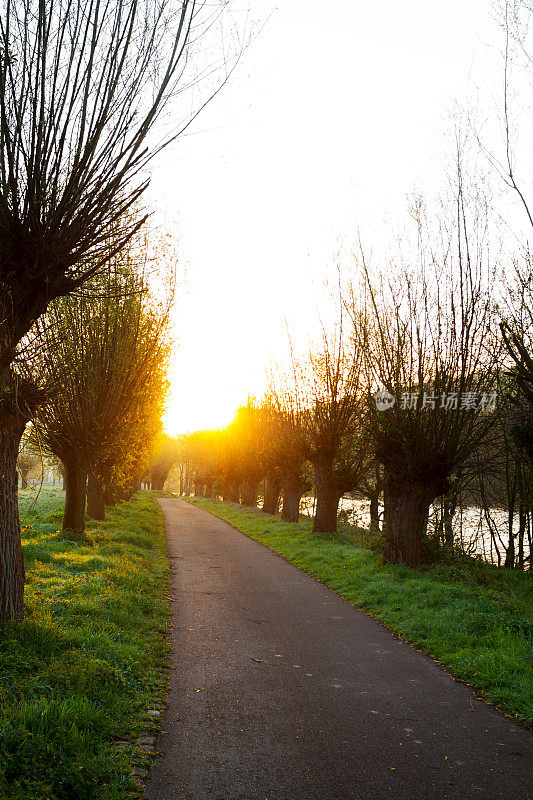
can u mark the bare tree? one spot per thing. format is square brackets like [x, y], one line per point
[27, 461]
[107, 357]
[514, 18]
[327, 390]
[427, 334]
[201, 457]
[228, 466]
[166, 453]
[295, 471]
[82, 86]
[248, 430]
[284, 456]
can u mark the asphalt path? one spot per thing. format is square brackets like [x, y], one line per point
[281, 690]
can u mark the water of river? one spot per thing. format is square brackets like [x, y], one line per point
[470, 527]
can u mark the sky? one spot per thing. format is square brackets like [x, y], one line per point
[334, 115]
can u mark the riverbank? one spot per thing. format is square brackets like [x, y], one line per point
[78, 674]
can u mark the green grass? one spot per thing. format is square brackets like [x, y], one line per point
[475, 619]
[79, 672]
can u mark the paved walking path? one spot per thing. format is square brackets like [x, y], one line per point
[283, 691]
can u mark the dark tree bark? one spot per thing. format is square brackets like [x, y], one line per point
[374, 512]
[406, 515]
[158, 480]
[19, 400]
[272, 496]
[327, 502]
[95, 498]
[249, 494]
[523, 516]
[290, 509]
[76, 490]
[231, 491]
[11, 561]
[293, 488]
[509, 562]
[449, 507]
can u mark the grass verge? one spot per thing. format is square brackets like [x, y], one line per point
[473, 618]
[77, 675]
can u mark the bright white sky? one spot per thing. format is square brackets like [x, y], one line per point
[337, 111]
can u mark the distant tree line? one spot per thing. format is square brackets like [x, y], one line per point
[419, 400]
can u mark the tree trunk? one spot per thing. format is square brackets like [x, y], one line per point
[406, 515]
[11, 561]
[448, 527]
[249, 494]
[24, 480]
[76, 490]
[231, 491]
[510, 552]
[327, 503]
[272, 495]
[290, 509]
[521, 532]
[95, 498]
[374, 512]
[158, 481]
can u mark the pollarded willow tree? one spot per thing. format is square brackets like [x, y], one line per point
[247, 431]
[82, 87]
[165, 454]
[330, 395]
[429, 341]
[226, 451]
[28, 459]
[118, 466]
[235, 456]
[201, 452]
[106, 356]
[273, 456]
[286, 447]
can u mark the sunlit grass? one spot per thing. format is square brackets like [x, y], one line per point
[474, 618]
[80, 671]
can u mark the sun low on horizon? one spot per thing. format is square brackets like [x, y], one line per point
[201, 407]
[288, 166]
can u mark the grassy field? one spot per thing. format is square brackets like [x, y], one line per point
[475, 619]
[79, 673]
